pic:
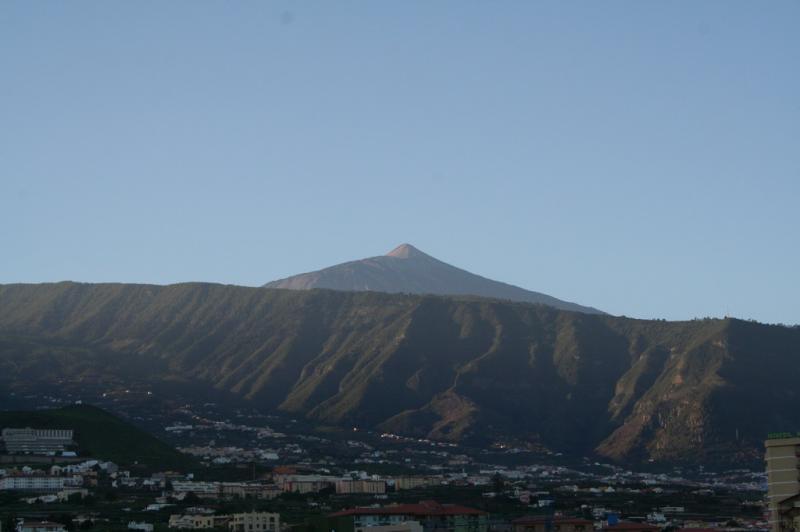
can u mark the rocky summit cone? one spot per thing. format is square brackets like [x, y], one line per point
[406, 251]
[406, 269]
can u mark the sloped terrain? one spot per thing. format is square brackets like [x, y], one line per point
[103, 436]
[408, 270]
[444, 367]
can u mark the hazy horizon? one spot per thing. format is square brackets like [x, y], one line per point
[640, 158]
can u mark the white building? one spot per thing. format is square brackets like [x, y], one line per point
[36, 441]
[191, 522]
[146, 527]
[201, 489]
[32, 483]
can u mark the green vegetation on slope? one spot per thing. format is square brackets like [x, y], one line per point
[103, 436]
[443, 367]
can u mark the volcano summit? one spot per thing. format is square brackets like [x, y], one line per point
[406, 269]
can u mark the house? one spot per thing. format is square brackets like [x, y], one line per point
[551, 524]
[628, 526]
[255, 522]
[201, 489]
[191, 522]
[145, 527]
[40, 526]
[65, 494]
[405, 526]
[431, 515]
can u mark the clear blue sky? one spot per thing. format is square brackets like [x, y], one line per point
[640, 157]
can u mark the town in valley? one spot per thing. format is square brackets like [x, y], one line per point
[253, 471]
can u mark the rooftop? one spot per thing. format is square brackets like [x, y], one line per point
[535, 519]
[420, 509]
[631, 526]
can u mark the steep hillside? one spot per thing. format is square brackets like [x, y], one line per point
[408, 270]
[450, 368]
[103, 436]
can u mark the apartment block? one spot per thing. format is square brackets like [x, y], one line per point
[783, 481]
[255, 522]
[374, 487]
[36, 441]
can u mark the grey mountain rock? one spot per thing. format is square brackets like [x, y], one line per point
[406, 269]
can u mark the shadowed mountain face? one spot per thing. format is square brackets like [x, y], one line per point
[443, 367]
[408, 270]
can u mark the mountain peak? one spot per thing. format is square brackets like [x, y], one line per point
[408, 270]
[405, 251]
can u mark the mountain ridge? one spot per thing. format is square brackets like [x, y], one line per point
[450, 368]
[406, 269]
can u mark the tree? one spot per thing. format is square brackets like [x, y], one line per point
[498, 484]
[64, 519]
[191, 498]
[10, 522]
